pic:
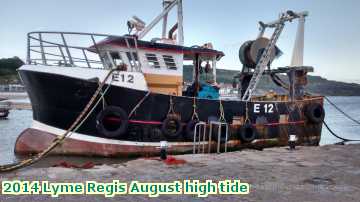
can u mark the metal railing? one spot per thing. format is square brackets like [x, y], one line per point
[56, 49]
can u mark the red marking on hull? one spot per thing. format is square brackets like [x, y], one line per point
[32, 141]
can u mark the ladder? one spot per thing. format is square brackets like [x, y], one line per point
[200, 129]
[263, 62]
[219, 124]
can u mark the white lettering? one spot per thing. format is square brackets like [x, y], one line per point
[256, 108]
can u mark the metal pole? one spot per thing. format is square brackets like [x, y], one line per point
[88, 64]
[43, 58]
[156, 20]
[214, 69]
[219, 138]
[111, 60]
[204, 137]
[131, 55]
[180, 23]
[97, 50]
[210, 134]
[165, 4]
[194, 143]
[226, 138]
[67, 49]
[28, 58]
[138, 55]
[62, 54]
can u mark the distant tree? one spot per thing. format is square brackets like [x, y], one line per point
[8, 67]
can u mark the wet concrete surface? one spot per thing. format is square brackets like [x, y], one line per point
[326, 173]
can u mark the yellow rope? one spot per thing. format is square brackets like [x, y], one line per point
[222, 113]
[195, 116]
[171, 106]
[246, 112]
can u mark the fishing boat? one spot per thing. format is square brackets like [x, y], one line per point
[4, 109]
[145, 106]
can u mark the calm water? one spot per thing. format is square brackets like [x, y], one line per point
[21, 119]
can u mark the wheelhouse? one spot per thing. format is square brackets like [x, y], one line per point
[161, 63]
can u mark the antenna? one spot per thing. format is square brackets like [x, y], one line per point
[135, 23]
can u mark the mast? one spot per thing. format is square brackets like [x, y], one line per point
[164, 28]
[298, 51]
[180, 23]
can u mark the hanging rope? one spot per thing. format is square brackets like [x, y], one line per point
[171, 106]
[195, 115]
[222, 113]
[59, 139]
[246, 112]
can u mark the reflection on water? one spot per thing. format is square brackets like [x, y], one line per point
[18, 120]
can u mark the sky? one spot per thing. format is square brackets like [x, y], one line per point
[332, 29]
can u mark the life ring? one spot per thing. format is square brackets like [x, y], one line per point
[171, 127]
[112, 122]
[247, 132]
[315, 112]
[190, 129]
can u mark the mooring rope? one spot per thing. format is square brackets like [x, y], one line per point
[340, 110]
[334, 134]
[345, 114]
[59, 139]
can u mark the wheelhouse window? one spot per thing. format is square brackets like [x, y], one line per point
[152, 60]
[107, 60]
[169, 62]
[133, 58]
[116, 57]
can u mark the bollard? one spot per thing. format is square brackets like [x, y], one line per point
[292, 142]
[163, 152]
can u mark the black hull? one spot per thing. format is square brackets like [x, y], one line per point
[57, 101]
